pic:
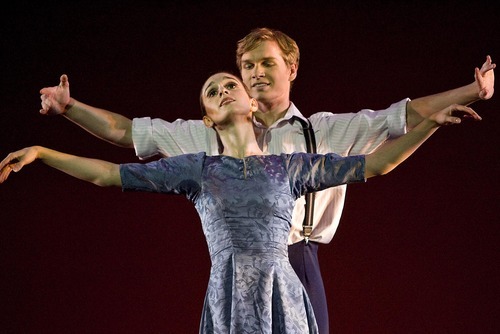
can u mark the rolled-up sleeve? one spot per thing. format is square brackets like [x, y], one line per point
[361, 132]
[158, 137]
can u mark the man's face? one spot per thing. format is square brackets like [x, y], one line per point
[266, 74]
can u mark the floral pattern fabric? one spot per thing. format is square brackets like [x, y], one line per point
[245, 206]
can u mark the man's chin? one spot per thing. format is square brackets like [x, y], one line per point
[260, 93]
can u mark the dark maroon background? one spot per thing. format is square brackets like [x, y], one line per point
[417, 250]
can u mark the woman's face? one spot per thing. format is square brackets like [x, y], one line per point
[224, 95]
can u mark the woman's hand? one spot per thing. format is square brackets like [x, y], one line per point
[17, 160]
[453, 115]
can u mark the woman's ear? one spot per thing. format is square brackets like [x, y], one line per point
[208, 122]
[254, 106]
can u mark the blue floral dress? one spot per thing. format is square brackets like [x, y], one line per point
[245, 206]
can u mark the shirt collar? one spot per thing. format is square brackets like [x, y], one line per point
[291, 112]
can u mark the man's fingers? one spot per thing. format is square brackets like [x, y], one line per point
[483, 94]
[64, 80]
[45, 104]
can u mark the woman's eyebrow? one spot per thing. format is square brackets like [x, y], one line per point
[213, 82]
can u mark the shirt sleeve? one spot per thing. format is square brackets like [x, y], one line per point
[158, 137]
[361, 132]
[175, 175]
[315, 172]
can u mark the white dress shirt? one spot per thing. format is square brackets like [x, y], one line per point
[344, 134]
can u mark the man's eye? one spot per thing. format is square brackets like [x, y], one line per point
[248, 66]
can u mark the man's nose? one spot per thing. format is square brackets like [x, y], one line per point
[258, 72]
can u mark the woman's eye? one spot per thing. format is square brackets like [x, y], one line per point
[231, 86]
[212, 93]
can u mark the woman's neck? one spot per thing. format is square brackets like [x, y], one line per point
[239, 140]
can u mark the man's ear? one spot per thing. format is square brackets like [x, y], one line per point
[293, 72]
[254, 105]
[208, 122]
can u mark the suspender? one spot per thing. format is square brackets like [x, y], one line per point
[309, 207]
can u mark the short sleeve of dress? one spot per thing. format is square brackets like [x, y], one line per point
[174, 175]
[314, 172]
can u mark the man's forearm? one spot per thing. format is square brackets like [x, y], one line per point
[423, 107]
[104, 124]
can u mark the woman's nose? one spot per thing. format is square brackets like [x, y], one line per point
[223, 91]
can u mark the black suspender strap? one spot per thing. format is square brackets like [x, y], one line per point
[309, 207]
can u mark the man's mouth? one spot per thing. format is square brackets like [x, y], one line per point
[260, 85]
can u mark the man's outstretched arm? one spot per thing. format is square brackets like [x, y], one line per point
[481, 89]
[104, 124]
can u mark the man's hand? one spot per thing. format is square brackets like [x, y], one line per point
[485, 79]
[56, 100]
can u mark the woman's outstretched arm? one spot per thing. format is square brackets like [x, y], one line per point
[394, 152]
[98, 172]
